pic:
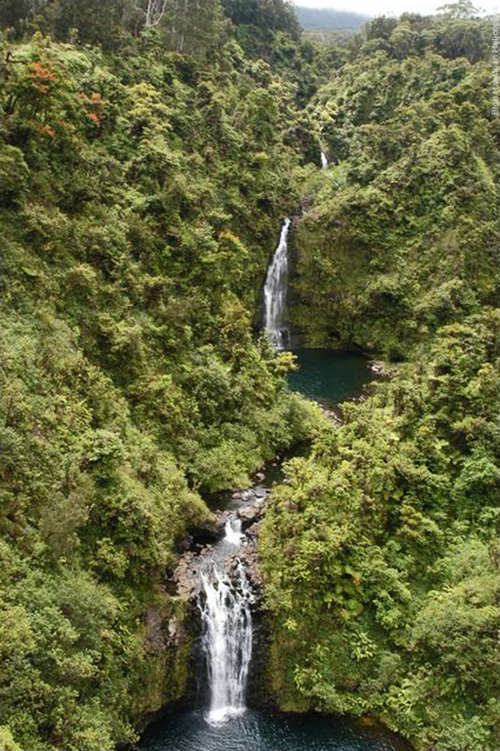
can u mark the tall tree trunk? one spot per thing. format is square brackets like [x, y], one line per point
[155, 10]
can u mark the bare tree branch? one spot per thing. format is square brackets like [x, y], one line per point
[155, 10]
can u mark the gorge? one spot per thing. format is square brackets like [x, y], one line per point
[225, 597]
[173, 174]
[226, 594]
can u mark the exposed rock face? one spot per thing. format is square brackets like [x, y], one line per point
[249, 505]
[248, 514]
[210, 531]
[250, 556]
[155, 638]
[383, 369]
[164, 628]
[167, 639]
[186, 576]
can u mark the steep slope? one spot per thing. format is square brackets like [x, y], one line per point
[142, 192]
[401, 233]
[380, 550]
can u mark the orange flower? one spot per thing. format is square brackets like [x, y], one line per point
[230, 236]
[39, 71]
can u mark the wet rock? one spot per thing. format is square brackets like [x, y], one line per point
[220, 520]
[260, 491]
[186, 576]
[209, 531]
[154, 639]
[248, 514]
[382, 368]
[185, 543]
[377, 366]
[254, 530]
[260, 476]
[250, 558]
[232, 564]
[332, 416]
[174, 631]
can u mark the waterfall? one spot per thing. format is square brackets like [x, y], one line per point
[275, 290]
[324, 161]
[226, 626]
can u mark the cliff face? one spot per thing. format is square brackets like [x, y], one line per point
[166, 677]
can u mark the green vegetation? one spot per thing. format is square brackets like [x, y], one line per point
[381, 557]
[401, 234]
[142, 192]
[379, 551]
[150, 151]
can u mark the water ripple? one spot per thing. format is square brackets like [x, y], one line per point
[263, 731]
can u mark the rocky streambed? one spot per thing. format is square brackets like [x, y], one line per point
[248, 507]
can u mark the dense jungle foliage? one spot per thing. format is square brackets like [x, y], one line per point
[149, 154]
[380, 551]
[142, 193]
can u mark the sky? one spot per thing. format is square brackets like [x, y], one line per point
[392, 7]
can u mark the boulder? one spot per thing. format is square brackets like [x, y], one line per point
[249, 514]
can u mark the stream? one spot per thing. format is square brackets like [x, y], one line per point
[223, 580]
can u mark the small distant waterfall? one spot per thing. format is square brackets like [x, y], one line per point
[227, 626]
[324, 161]
[275, 291]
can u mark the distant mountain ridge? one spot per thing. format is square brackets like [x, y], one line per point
[329, 19]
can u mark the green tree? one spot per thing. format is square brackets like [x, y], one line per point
[460, 9]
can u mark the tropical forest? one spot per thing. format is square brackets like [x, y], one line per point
[250, 392]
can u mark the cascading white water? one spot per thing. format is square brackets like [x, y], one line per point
[227, 626]
[275, 291]
[324, 161]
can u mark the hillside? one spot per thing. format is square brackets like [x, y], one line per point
[327, 19]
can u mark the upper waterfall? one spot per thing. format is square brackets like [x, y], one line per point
[227, 626]
[324, 160]
[275, 291]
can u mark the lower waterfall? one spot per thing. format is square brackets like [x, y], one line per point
[225, 603]
[220, 575]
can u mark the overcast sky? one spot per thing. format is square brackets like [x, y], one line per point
[395, 7]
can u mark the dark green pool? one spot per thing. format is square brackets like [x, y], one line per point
[265, 731]
[330, 377]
